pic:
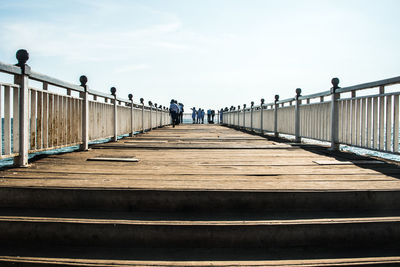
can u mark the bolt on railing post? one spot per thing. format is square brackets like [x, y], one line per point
[244, 116]
[297, 116]
[276, 116]
[85, 113]
[251, 116]
[262, 116]
[23, 82]
[334, 115]
[150, 120]
[115, 117]
[132, 133]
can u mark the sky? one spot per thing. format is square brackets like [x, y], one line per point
[205, 53]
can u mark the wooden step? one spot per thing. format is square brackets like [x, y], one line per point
[95, 256]
[85, 229]
[198, 200]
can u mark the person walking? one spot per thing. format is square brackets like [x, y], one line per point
[174, 112]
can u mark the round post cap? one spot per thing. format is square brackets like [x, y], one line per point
[130, 96]
[22, 56]
[335, 83]
[252, 103]
[83, 80]
[141, 100]
[113, 91]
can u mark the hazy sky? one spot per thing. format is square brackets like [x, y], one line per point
[207, 53]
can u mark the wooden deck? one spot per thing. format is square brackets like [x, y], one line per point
[201, 195]
[205, 157]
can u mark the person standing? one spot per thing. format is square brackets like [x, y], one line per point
[199, 115]
[174, 112]
[212, 116]
[202, 116]
[194, 112]
[208, 115]
[180, 112]
[221, 115]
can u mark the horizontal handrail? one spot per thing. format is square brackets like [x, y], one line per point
[53, 81]
[10, 69]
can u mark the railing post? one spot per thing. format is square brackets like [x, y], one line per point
[114, 93]
[132, 133]
[142, 102]
[85, 114]
[297, 116]
[238, 118]
[251, 116]
[262, 116]
[155, 105]
[23, 82]
[244, 116]
[150, 120]
[334, 115]
[276, 116]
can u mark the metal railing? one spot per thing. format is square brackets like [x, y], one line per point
[38, 119]
[370, 120]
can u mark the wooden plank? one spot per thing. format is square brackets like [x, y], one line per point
[353, 162]
[114, 159]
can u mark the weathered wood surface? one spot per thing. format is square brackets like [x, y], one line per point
[208, 157]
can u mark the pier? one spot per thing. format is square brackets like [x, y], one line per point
[246, 191]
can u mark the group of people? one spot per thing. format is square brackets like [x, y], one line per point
[176, 111]
[198, 115]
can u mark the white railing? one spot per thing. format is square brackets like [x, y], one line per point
[60, 114]
[370, 120]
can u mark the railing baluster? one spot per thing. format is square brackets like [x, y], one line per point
[369, 124]
[375, 123]
[396, 124]
[7, 120]
[15, 127]
[33, 119]
[381, 122]
[388, 144]
[363, 129]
